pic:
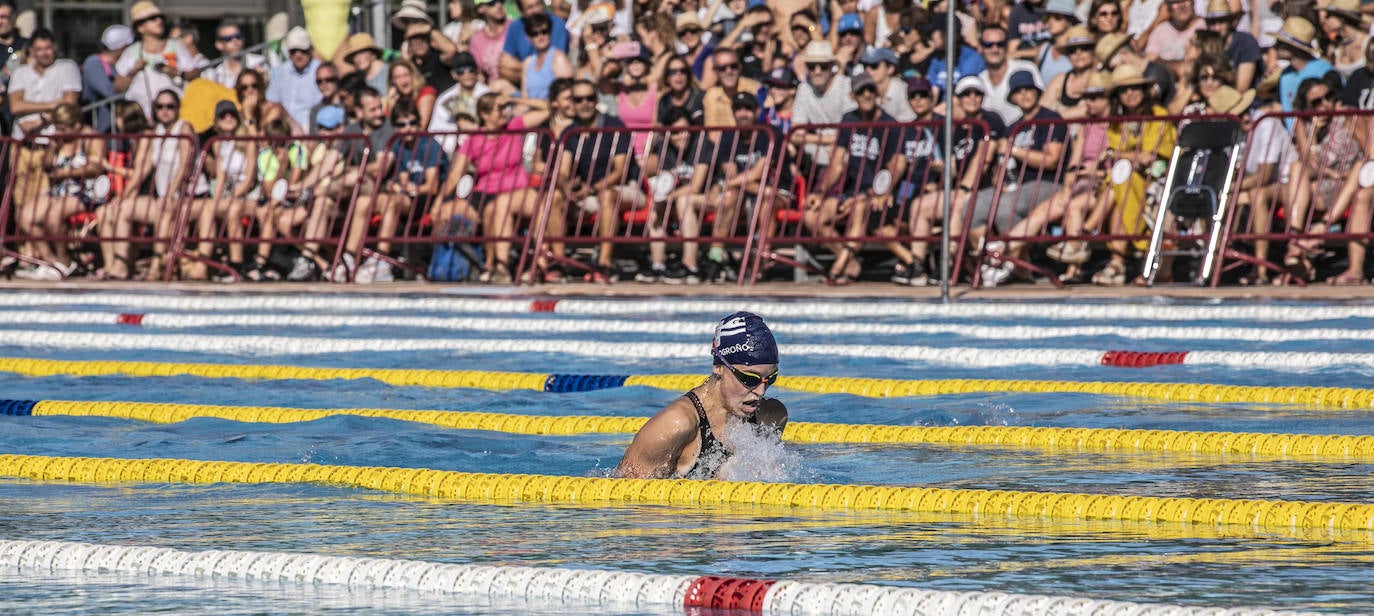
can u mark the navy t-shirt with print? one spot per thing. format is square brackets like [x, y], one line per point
[869, 149]
[592, 152]
[920, 146]
[415, 158]
[967, 137]
[683, 163]
[747, 149]
[1028, 24]
[1035, 137]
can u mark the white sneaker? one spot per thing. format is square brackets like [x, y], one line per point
[340, 272]
[58, 271]
[373, 270]
[992, 275]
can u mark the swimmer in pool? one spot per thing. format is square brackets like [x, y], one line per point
[689, 437]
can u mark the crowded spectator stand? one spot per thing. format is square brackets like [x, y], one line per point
[687, 142]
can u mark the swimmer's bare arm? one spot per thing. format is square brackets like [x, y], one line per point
[655, 450]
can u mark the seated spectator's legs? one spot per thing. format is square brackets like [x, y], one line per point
[118, 220]
[928, 210]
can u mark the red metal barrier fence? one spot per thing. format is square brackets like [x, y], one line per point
[533, 206]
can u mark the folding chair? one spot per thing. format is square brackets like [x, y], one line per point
[1197, 190]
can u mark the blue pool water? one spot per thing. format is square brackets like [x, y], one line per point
[1104, 560]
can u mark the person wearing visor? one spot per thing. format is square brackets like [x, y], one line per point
[691, 437]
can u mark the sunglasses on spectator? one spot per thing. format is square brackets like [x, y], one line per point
[1077, 48]
[1208, 77]
[728, 68]
[977, 93]
[584, 99]
[541, 32]
[1094, 96]
[1330, 97]
[418, 36]
[405, 123]
[820, 66]
[230, 37]
[324, 80]
[1140, 87]
[677, 71]
[165, 106]
[250, 85]
[686, 31]
[748, 379]
[867, 91]
[993, 44]
[918, 94]
[1101, 14]
[303, 52]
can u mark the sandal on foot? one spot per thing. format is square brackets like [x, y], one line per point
[1345, 279]
[1114, 275]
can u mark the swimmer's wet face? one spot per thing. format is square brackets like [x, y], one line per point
[742, 390]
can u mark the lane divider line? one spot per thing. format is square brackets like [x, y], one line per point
[1263, 516]
[163, 320]
[1297, 446]
[1211, 393]
[772, 309]
[544, 586]
[952, 356]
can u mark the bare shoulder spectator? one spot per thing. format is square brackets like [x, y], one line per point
[233, 60]
[1343, 25]
[519, 46]
[1064, 93]
[153, 64]
[1167, 43]
[72, 162]
[1060, 16]
[12, 46]
[1328, 147]
[545, 62]
[98, 73]
[487, 42]
[257, 110]
[996, 76]
[1242, 50]
[36, 89]
[406, 82]
[293, 84]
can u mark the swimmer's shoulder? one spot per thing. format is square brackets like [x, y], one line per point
[772, 412]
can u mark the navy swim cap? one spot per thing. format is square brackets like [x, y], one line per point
[744, 339]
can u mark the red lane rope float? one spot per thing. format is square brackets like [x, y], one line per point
[1142, 359]
[726, 593]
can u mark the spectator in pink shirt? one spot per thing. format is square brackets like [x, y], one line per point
[500, 186]
[1169, 41]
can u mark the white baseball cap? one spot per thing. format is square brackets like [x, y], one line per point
[117, 37]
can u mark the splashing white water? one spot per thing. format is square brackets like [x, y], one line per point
[759, 456]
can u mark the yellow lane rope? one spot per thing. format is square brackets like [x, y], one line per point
[1322, 397]
[1306, 446]
[1279, 517]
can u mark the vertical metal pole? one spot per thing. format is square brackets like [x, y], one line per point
[951, 44]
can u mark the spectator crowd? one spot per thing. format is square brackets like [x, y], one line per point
[265, 151]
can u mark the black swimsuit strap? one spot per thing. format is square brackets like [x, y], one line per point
[708, 440]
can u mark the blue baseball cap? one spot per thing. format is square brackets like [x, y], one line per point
[743, 339]
[849, 23]
[329, 117]
[874, 56]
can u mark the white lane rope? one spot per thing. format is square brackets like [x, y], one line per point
[159, 320]
[957, 356]
[808, 309]
[546, 586]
